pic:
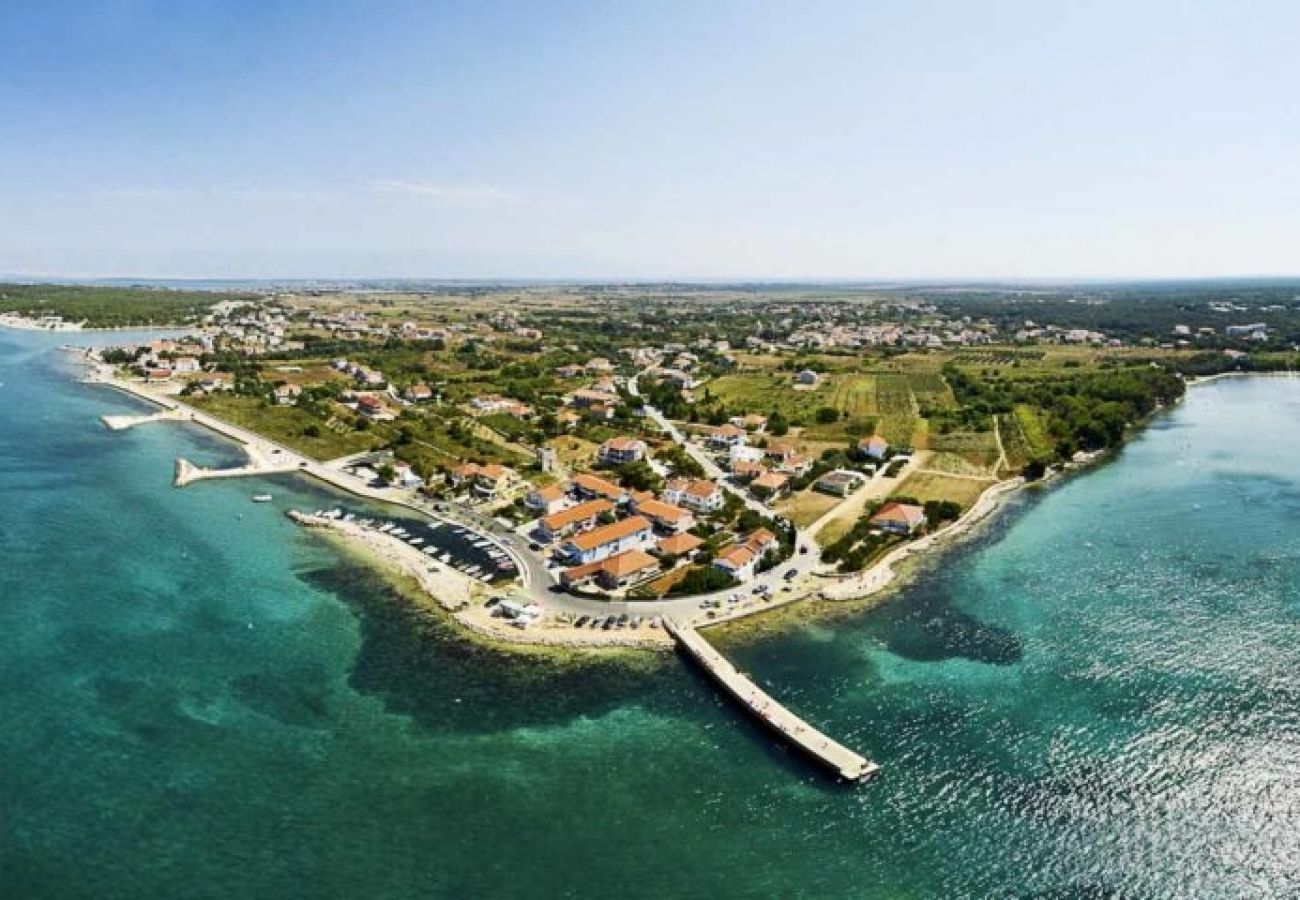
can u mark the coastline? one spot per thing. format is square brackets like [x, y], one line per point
[817, 594]
[441, 589]
[15, 322]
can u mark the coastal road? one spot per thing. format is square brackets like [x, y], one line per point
[536, 581]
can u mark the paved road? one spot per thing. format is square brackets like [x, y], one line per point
[536, 580]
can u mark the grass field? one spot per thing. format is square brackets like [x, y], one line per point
[964, 452]
[763, 392]
[888, 401]
[286, 425]
[573, 451]
[807, 507]
[926, 486]
[1033, 431]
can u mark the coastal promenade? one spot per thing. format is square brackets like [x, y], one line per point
[839, 759]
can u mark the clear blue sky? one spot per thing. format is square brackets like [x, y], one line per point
[196, 138]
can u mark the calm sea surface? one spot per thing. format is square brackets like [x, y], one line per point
[1098, 698]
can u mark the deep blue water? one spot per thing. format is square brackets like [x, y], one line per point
[1098, 698]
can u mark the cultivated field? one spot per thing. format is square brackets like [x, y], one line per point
[925, 486]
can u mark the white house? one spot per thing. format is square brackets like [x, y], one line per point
[698, 494]
[619, 450]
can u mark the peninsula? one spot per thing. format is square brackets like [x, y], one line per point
[623, 467]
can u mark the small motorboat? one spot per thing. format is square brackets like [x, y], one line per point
[262, 498]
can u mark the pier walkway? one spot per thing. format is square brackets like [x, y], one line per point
[188, 473]
[840, 759]
[121, 423]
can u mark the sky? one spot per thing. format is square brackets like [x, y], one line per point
[631, 140]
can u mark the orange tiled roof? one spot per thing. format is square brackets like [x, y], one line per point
[678, 544]
[566, 517]
[590, 540]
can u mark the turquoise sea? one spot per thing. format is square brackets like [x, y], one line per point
[1098, 697]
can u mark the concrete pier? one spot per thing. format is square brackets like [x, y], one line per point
[188, 473]
[121, 423]
[839, 759]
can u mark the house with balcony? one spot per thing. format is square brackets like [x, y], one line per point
[698, 494]
[619, 450]
[607, 540]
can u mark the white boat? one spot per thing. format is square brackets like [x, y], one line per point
[430, 550]
[262, 498]
[446, 558]
[415, 542]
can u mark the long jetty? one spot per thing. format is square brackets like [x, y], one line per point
[841, 760]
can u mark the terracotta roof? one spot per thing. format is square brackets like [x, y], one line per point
[493, 471]
[874, 441]
[623, 444]
[678, 544]
[597, 485]
[758, 537]
[628, 562]
[550, 493]
[578, 573]
[701, 488]
[729, 431]
[900, 512]
[582, 511]
[736, 556]
[589, 540]
[771, 480]
[658, 509]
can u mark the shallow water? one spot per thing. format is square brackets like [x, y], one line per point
[1098, 698]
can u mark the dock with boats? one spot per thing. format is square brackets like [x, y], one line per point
[830, 753]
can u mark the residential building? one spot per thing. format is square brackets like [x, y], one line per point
[373, 408]
[678, 544]
[546, 500]
[619, 450]
[589, 486]
[770, 484]
[418, 393]
[615, 573]
[839, 483]
[665, 516]
[742, 452]
[582, 517]
[586, 398]
[738, 561]
[795, 464]
[899, 518]
[874, 447]
[698, 494]
[404, 475]
[287, 394]
[490, 479]
[726, 437]
[603, 542]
